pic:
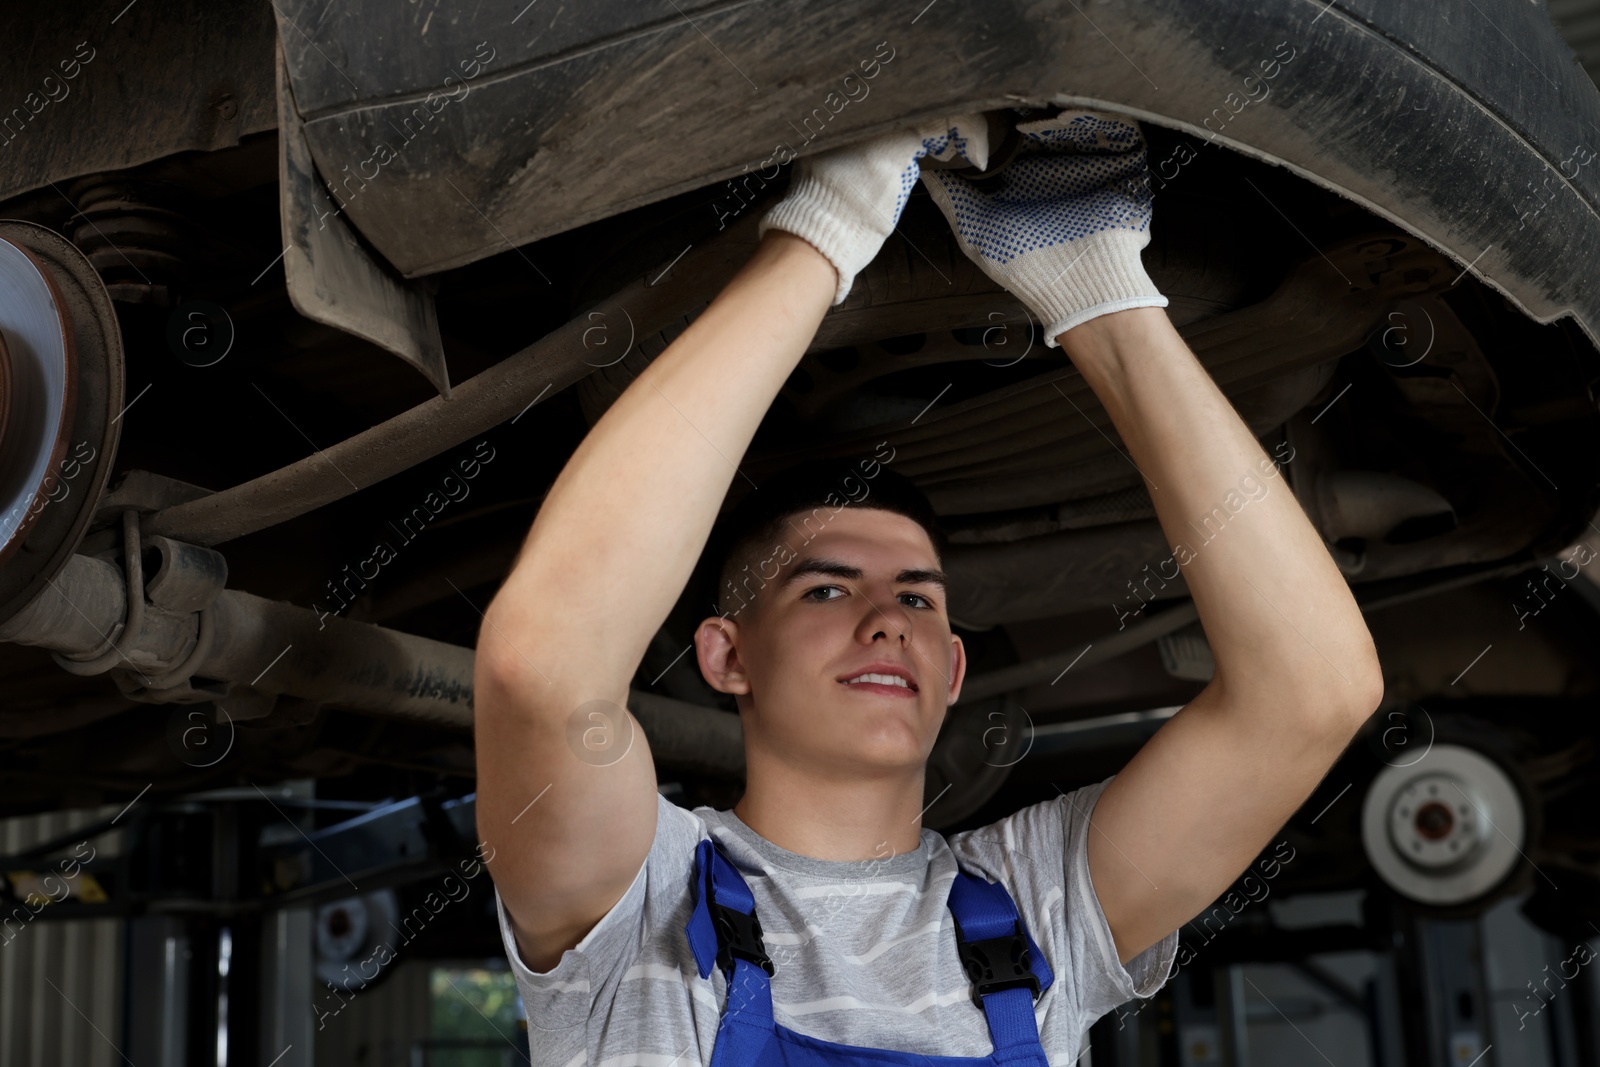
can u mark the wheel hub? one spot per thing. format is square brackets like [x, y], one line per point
[1432, 823]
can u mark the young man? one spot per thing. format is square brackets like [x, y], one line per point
[843, 665]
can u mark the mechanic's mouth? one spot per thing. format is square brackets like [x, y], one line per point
[881, 681]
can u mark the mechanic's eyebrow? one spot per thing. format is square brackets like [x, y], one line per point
[832, 568]
[835, 568]
[922, 576]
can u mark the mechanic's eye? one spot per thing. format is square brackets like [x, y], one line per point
[810, 594]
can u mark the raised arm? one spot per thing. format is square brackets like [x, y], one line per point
[568, 825]
[1296, 671]
[609, 553]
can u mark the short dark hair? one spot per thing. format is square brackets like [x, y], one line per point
[756, 527]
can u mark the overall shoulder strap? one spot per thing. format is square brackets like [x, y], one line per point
[723, 927]
[1004, 964]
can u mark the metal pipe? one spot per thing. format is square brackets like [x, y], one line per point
[1374, 598]
[1022, 675]
[73, 614]
[689, 737]
[550, 364]
[279, 648]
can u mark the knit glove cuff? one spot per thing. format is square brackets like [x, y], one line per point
[1064, 226]
[830, 215]
[1067, 285]
[846, 201]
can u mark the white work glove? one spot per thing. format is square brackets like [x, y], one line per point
[846, 201]
[1064, 229]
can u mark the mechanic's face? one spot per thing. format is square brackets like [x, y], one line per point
[856, 595]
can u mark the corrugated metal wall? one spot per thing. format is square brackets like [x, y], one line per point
[60, 982]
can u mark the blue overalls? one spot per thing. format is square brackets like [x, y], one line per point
[1005, 966]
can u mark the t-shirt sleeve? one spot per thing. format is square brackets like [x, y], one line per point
[1106, 982]
[1041, 854]
[590, 972]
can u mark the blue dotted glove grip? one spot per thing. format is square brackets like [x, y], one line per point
[1064, 229]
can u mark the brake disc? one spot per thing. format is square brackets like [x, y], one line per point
[61, 392]
[1445, 829]
[977, 746]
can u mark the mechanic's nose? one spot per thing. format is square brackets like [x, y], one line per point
[891, 619]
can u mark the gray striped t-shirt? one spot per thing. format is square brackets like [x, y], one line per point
[865, 952]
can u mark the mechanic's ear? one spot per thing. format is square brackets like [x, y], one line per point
[958, 667]
[716, 647]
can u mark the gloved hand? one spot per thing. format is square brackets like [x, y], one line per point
[846, 201]
[1064, 229]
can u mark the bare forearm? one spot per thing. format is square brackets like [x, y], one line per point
[1272, 603]
[619, 532]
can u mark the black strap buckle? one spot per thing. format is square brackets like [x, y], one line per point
[997, 963]
[739, 935]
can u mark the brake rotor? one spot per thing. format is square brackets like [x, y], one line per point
[61, 388]
[977, 746]
[5, 387]
[1446, 829]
